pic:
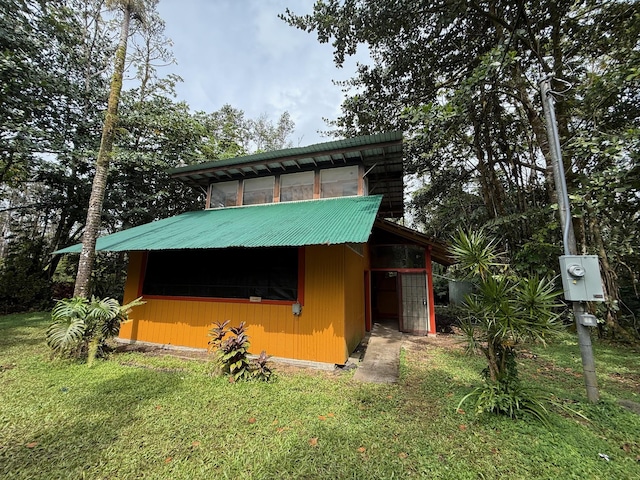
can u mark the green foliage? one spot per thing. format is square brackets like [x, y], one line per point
[461, 79]
[505, 311]
[230, 348]
[24, 283]
[80, 327]
[509, 399]
[475, 254]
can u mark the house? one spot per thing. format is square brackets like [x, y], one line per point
[298, 243]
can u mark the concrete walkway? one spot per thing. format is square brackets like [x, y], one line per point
[382, 357]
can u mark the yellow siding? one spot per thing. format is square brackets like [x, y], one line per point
[354, 292]
[318, 334]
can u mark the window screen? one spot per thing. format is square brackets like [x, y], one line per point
[224, 194]
[258, 190]
[296, 186]
[397, 256]
[339, 182]
[271, 274]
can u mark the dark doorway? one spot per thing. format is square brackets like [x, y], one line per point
[384, 298]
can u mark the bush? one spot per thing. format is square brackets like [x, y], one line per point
[504, 311]
[231, 354]
[80, 327]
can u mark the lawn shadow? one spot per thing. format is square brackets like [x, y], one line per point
[22, 330]
[79, 446]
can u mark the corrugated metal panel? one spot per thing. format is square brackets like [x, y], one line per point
[291, 152]
[318, 334]
[312, 222]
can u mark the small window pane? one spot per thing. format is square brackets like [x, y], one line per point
[224, 194]
[258, 190]
[339, 182]
[296, 186]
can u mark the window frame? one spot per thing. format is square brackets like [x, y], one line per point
[300, 297]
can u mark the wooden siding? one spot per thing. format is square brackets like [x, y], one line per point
[332, 274]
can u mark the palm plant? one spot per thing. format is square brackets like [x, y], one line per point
[81, 327]
[504, 311]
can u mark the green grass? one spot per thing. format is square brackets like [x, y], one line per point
[137, 415]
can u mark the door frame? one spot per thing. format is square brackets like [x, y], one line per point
[401, 301]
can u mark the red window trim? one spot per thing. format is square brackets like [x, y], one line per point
[301, 284]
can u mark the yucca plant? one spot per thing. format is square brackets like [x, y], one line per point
[504, 311]
[80, 327]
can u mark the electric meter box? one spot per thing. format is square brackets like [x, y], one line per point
[581, 278]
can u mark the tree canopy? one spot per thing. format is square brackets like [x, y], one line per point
[461, 80]
[55, 64]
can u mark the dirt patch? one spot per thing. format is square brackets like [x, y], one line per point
[203, 356]
[449, 341]
[630, 405]
[160, 351]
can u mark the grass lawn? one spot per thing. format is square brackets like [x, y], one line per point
[139, 415]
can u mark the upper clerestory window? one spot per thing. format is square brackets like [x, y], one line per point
[296, 186]
[339, 182]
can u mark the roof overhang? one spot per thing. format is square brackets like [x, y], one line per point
[439, 251]
[381, 155]
[311, 222]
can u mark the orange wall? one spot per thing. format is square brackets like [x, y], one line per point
[354, 291]
[318, 334]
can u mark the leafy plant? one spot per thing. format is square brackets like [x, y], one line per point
[80, 327]
[504, 311]
[507, 398]
[231, 354]
[261, 370]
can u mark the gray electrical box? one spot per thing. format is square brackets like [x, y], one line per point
[581, 278]
[588, 320]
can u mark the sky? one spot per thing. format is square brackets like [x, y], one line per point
[238, 52]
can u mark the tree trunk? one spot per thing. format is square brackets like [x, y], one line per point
[94, 213]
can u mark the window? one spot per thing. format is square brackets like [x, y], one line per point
[397, 256]
[224, 194]
[258, 190]
[296, 186]
[271, 274]
[339, 182]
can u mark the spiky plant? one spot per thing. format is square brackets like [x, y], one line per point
[504, 311]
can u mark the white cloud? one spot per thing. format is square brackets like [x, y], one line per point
[240, 53]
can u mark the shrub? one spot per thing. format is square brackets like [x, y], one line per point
[261, 371]
[231, 354]
[80, 327]
[504, 311]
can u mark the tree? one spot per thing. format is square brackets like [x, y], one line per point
[460, 79]
[131, 9]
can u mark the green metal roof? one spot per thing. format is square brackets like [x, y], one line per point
[311, 150]
[381, 155]
[310, 222]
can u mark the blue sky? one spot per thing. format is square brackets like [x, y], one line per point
[239, 52]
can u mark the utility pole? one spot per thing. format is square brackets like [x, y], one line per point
[575, 272]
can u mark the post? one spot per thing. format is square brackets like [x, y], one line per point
[568, 236]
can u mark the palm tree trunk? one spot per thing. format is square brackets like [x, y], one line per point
[94, 213]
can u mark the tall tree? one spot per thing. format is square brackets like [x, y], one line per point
[461, 80]
[131, 9]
